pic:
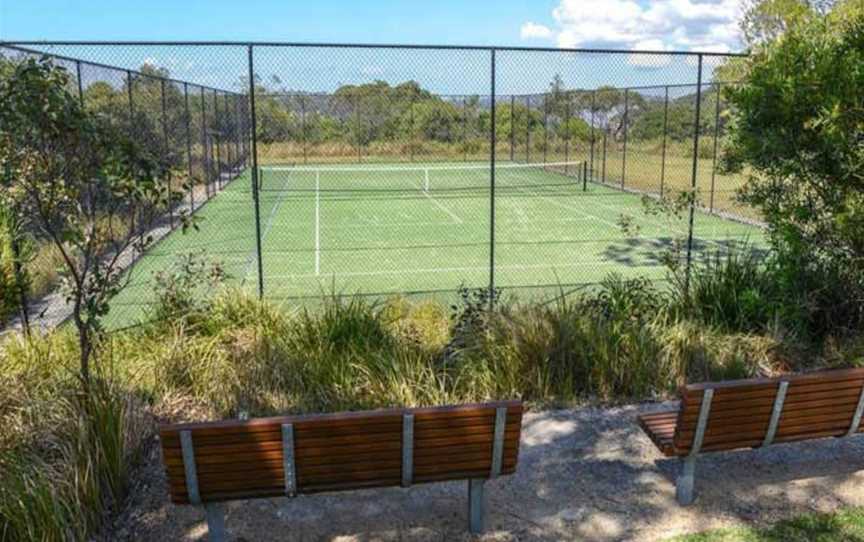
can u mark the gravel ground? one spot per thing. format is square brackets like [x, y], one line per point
[586, 474]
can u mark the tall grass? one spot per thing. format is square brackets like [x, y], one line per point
[65, 459]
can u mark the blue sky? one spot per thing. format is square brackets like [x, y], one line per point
[656, 24]
[704, 25]
[441, 21]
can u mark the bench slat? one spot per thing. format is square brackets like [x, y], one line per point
[243, 459]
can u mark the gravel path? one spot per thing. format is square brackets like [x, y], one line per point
[586, 474]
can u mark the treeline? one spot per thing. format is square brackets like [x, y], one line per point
[361, 115]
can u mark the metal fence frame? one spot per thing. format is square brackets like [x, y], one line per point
[243, 150]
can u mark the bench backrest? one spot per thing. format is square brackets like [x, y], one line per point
[807, 406]
[327, 452]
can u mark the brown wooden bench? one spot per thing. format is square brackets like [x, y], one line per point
[208, 463]
[721, 416]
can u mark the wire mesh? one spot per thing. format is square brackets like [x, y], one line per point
[373, 173]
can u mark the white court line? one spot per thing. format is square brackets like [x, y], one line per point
[251, 260]
[484, 268]
[564, 205]
[454, 216]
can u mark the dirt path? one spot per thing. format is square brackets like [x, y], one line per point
[587, 474]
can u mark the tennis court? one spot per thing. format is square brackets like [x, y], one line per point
[382, 229]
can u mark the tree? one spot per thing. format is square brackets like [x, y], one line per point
[766, 20]
[81, 183]
[797, 127]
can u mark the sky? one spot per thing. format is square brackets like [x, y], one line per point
[661, 25]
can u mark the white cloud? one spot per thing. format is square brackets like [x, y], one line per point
[650, 60]
[531, 30]
[694, 25]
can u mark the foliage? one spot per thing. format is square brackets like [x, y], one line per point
[14, 279]
[181, 287]
[65, 458]
[797, 127]
[79, 182]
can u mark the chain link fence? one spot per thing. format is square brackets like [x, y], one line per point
[415, 170]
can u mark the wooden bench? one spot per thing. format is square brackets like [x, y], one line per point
[208, 463]
[720, 416]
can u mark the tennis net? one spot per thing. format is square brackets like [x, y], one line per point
[428, 178]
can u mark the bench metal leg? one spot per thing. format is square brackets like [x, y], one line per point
[685, 481]
[475, 505]
[215, 522]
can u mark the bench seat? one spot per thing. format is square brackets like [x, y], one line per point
[753, 413]
[660, 428]
[212, 462]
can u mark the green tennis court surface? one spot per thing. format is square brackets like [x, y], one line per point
[406, 228]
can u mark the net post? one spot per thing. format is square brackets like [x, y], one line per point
[255, 195]
[625, 121]
[492, 141]
[585, 176]
[693, 178]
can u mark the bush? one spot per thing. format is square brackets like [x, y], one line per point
[796, 128]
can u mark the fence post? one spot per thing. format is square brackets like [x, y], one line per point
[229, 137]
[205, 145]
[512, 126]
[716, 136]
[493, 142]
[129, 97]
[165, 154]
[605, 134]
[189, 146]
[465, 128]
[356, 101]
[545, 125]
[303, 128]
[624, 153]
[527, 121]
[255, 195]
[693, 180]
[665, 134]
[80, 83]
[218, 136]
[411, 128]
[567, 135]
[593, 135]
